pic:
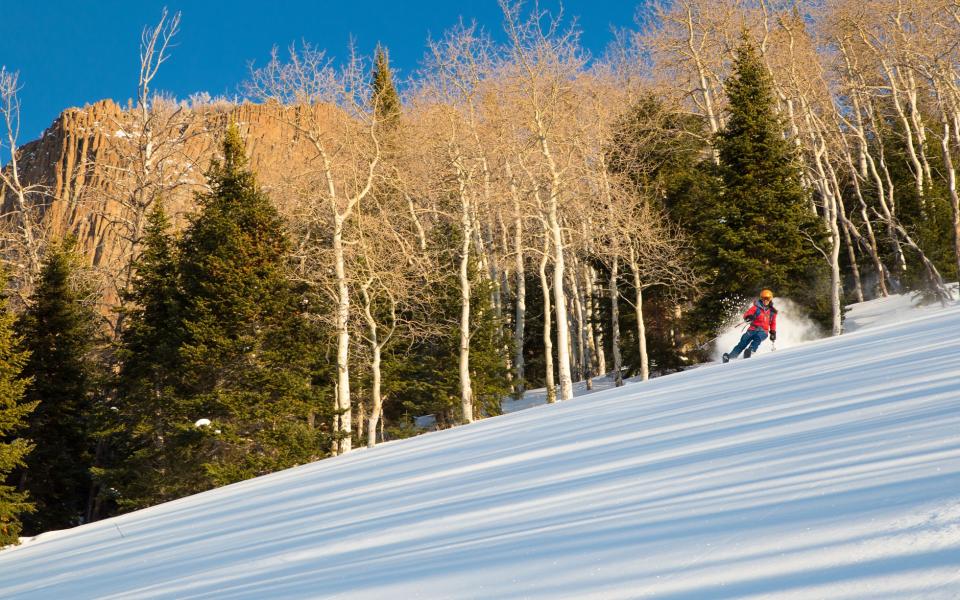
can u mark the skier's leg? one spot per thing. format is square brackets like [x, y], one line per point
[743, 343]
[759, 336]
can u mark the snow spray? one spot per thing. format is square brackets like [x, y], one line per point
[793, 328]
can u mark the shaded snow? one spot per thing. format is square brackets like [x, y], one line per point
[826, 470]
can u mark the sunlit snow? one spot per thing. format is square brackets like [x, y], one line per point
[830, 469]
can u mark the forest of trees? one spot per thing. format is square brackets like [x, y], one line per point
[518, 214]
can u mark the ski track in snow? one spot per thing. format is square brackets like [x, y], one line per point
[825, 470]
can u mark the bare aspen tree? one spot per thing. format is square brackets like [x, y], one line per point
[518, 207]
[614, 293]
[389, 290]
[603, 96]
[638, 310]
[594, 333]
[655, 255]
[866, 167]
[535, 185]
[150, 141]
[873, 36]
[852, 139]
[879, 53]
[395, 268]
[632, 233]
[868, 243]
[378, 294]
[692, 44]
[466, 228]
[543, 63]
[936, 62]
[945, 108]
[584, 366]
[329, 111]
[551, 386]
[795, 70]
[460, 64]
[22, 202]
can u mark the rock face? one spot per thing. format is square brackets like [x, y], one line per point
[83, 161]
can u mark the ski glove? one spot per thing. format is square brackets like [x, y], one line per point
[773, 336]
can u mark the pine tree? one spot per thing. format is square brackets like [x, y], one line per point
[59, 331]
[489, 375]
[13, 419]
[386, 100]
[152, 425]
[247, 362]
[762, 225]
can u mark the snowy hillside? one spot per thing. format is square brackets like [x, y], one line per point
[826, 470]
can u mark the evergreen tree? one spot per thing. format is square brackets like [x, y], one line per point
[386, 100]
[152, 425]
[489, 375]
[13, 418]
[59, 330]
[247, 362]
[762, 224]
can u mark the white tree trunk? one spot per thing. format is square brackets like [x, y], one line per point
[560, 302]
[831, 218]
[344, 429]
[521, 305]
[466, 389]
[421, 235]
[547, 326]
[641, 327]
[615, 322]
[375, 389]
[594, 334]
[705, 89]
[377, 408]
[836, 283]
[852, 257]
[583, 347]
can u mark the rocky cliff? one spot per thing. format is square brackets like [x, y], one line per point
[83, 163]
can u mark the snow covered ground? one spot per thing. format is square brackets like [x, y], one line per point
[827, 470]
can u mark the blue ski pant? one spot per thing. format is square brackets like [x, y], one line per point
[750, 338]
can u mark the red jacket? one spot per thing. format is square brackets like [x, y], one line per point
[761, 317]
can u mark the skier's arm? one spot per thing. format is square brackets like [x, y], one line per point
[750, 314]
[773, 325]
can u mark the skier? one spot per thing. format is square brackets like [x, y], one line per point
[762, 317]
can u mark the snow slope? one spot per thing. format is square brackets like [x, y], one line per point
[827, 470]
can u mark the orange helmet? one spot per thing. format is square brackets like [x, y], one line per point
[766, 295]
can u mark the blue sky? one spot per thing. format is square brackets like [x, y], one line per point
[75, 52]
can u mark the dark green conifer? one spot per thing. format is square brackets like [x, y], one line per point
[762, 226]
[59, 330]
[386, 100]
[247, 362]
[14, 412]
[152, 423]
